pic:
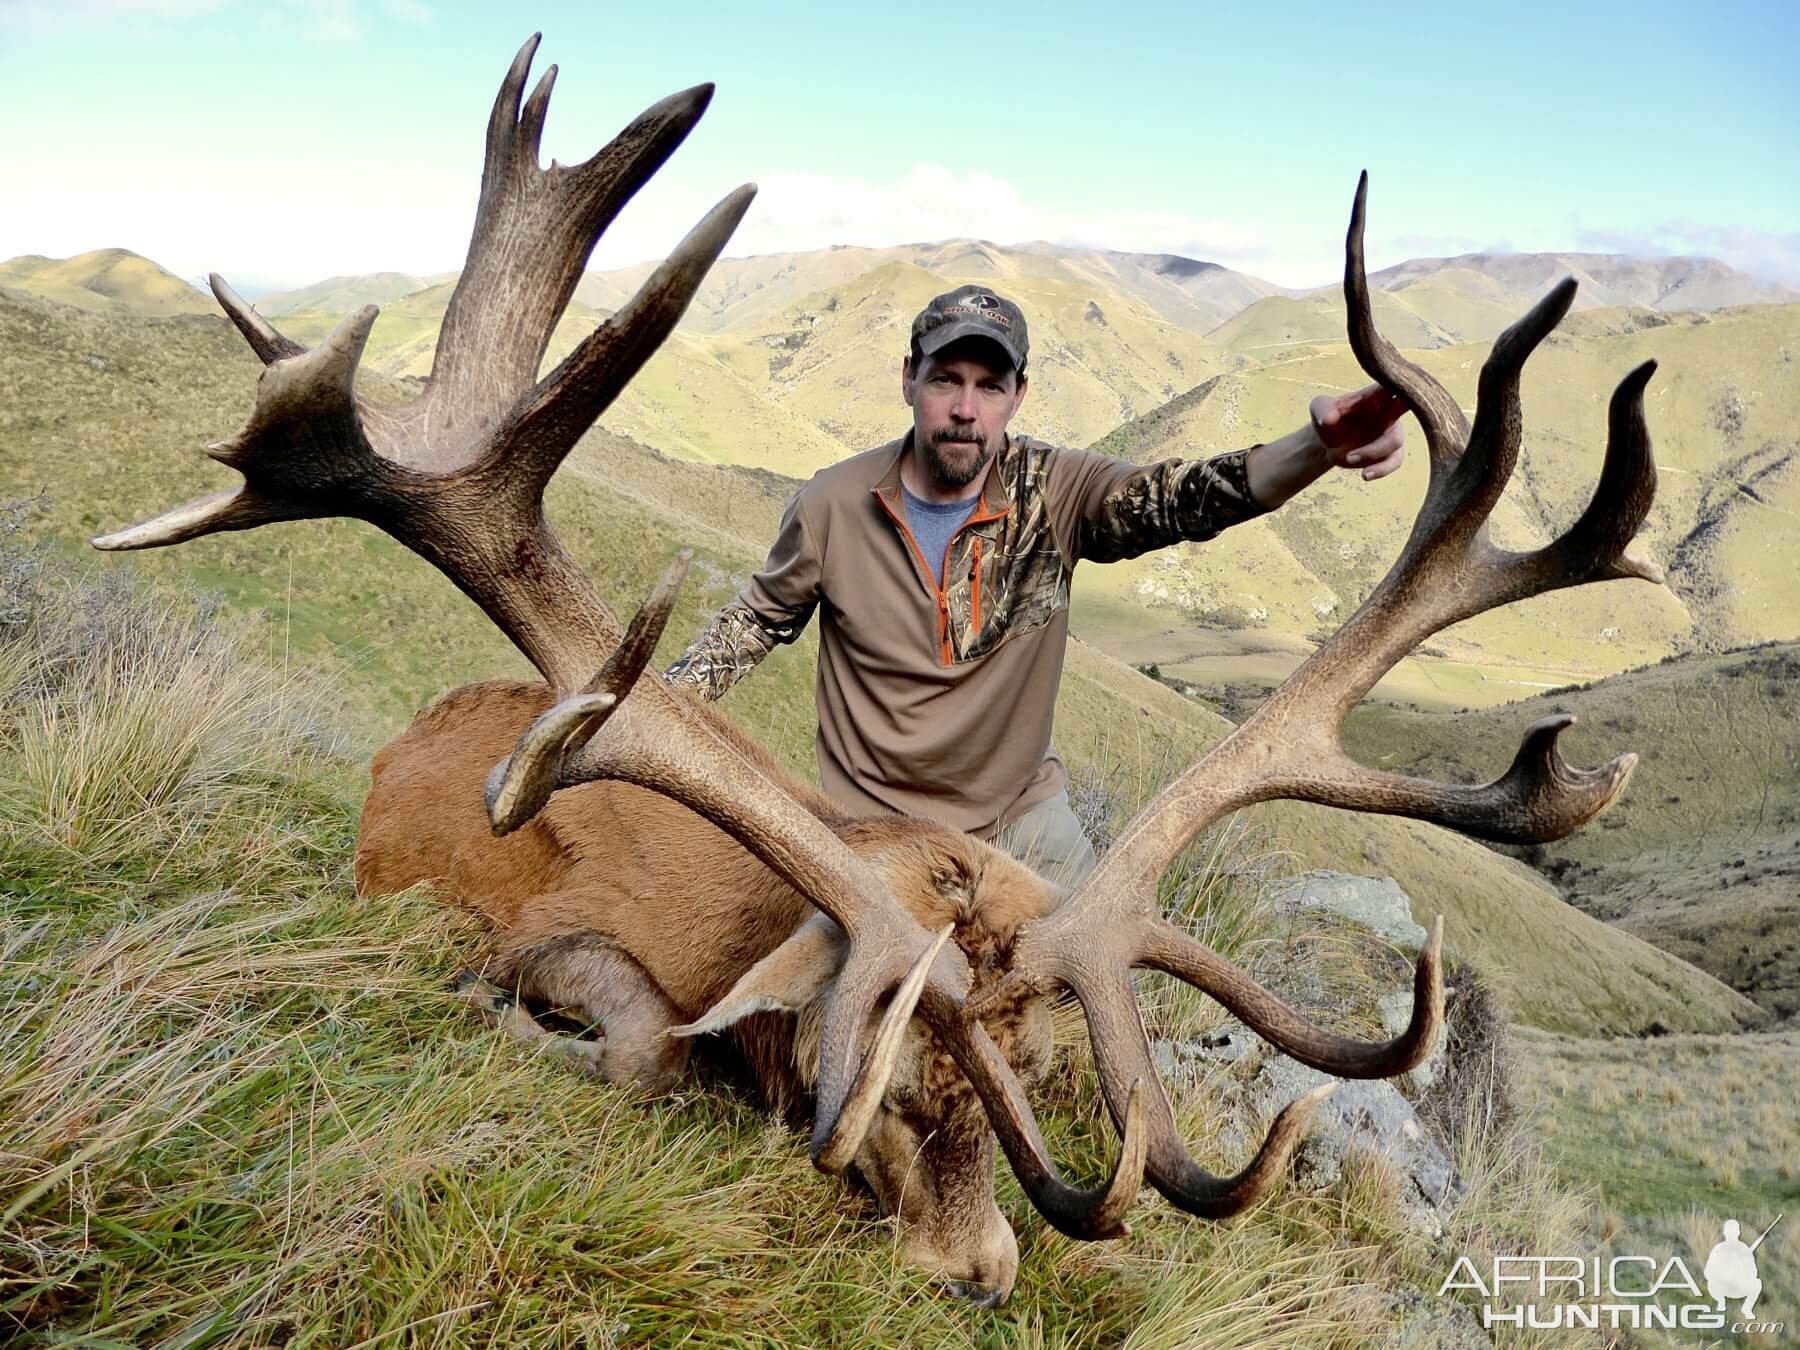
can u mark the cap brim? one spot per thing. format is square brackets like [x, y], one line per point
[941, 337]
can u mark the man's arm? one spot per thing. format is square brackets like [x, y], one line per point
[1106, 509]
[773, 608]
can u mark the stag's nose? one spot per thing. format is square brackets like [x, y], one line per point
[981, 1295]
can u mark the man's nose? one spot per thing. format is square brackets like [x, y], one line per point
[963, 409]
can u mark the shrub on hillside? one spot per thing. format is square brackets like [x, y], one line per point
[140, 733]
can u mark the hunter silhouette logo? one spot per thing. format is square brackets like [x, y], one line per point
[1730, 1269]
[1640, 1292]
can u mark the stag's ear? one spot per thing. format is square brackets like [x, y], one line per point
[785, 980]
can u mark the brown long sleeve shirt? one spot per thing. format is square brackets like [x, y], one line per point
[938, 701]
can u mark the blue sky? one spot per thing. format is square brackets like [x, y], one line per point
[283, 144]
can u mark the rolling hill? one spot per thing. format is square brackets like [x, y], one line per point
[790, 361]
[743, 294]
[1441, 302]
[108, 279]
[1702, 856]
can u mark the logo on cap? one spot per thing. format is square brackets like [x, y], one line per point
[980, 304]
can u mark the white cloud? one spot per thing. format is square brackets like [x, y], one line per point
[795, 212]
[1761, 253]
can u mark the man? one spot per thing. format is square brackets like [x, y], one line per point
[941, 563]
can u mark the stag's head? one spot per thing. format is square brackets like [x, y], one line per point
[927, 1154]
[921, 1047]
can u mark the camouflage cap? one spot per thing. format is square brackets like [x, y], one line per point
[972, 311]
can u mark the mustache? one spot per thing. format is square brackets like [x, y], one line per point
[957, 436]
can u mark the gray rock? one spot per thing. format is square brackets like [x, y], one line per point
[1368, 1116]
[1377, 903]
[1396, 1015]
[1186, 1061]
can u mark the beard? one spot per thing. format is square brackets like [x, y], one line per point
[955, 455]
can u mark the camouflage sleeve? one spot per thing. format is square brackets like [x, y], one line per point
[773, 608]
[726, 650]
[1112, 509]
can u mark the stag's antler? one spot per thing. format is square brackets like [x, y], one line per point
[1292, 747]
[458, 476]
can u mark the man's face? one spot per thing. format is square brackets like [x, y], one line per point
[962, 399]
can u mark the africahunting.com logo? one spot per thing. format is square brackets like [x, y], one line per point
[1550, 1292]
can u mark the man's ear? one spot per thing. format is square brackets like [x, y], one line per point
[1019, 395]
[785, 980]
[906, 379]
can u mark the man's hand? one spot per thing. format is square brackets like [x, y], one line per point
[1361, 430]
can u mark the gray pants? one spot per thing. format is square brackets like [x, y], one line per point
[1049, 840]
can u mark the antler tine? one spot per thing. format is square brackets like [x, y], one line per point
[1493, 448]
[1540, 799]
[545, 427]
[258, 331]
[1165, 947]
[303, 440]
[836, 1137]
[534, 231]
[1446, 430]
[1122, 1058]
[1594, 547]
[520, 786]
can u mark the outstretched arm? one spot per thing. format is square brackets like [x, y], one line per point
[1105, 509]
[773, 608]
[1348, 431]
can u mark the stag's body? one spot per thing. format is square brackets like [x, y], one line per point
[683, 899]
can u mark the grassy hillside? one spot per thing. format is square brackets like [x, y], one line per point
[799, 387]
[108, 280]
[1675, 1136]
[1275, 326]
[1721, 409]
[343, 590]
[791, 362]
[1702, 856]
[340, 295]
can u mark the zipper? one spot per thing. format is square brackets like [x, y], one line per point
[943, 596]
[975, 586]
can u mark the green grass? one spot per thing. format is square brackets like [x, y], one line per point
[1702, 854]
[1674, 1136]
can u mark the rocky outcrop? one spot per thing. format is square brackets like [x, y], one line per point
[1377, 903]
